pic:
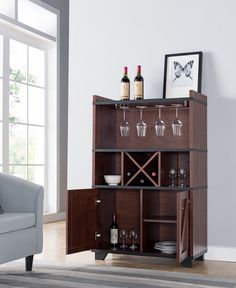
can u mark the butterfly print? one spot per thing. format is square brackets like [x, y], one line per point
[186, 70]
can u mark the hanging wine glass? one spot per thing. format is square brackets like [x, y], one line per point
[160, 125]
[124, 125]
[177, 124]
[141, 126]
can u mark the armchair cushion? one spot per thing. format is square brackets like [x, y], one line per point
[16, 221]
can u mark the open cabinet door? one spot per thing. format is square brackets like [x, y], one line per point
[182, 226]
[81, 220]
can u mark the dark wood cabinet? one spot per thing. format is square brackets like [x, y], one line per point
[152, 207]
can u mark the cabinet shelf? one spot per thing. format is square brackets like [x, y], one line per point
[161, 219]
[144, 102]
[143, 150]
[150, 252]
[121, 187]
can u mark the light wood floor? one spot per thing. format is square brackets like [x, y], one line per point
[54, 250]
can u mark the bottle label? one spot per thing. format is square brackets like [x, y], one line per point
[114, 236]
[138, 89]
[124, 90]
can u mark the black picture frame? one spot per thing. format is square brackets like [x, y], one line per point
[182, 72]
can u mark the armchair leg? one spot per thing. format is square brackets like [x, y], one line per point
[29, 262]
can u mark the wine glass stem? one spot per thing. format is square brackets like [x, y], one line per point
[141, 114]
[123, 114]
[176, 112]
[159, 113]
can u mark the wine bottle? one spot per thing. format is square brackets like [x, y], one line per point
[125, 86]
[142, 181]
[114, 231]
[128, 174]
[138, 85]
[153, 173]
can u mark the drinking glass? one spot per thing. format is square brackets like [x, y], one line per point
[172, 176]
[133, 235]
[123, 235]
[160, 125]
[182, 174]
[177, 124]
[141, 126]
[124, 125]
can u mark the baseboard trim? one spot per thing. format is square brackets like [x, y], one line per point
[221, 253]
[53, 217]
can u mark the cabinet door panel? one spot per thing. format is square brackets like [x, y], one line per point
[81, 220]
[182, 226]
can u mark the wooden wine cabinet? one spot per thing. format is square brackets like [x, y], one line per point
[151, 207]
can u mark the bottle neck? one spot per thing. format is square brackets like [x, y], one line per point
[139, 69]
[126, 71]
[114, 218]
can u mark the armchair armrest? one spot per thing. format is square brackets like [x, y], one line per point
[18, 195]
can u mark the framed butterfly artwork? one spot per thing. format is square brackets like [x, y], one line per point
[182, 72]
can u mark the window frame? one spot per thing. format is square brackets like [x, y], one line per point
[45, 45]
[15, 22]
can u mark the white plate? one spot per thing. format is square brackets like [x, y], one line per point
[168, 247]
[166, 251]
[165, 243]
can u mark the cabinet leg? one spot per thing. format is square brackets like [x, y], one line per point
[200, 258]
[187, 262]
[29, 263]
[100, 255]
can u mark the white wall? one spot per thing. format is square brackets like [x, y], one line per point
[106, 35]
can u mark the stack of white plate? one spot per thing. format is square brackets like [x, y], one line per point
[167, 247]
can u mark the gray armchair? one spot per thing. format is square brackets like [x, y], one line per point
[21, 224]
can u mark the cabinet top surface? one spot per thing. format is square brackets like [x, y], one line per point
[98, 100]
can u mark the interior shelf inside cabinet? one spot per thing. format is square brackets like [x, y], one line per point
[106, 164]
[159, 206]
[108, 119]
[157, 232]
[161, 219]
[175, 160]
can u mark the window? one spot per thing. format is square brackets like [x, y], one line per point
[27, 112]
[28, 108]
[8, 8]
[27, 8]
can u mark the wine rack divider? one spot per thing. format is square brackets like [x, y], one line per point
[141, 168]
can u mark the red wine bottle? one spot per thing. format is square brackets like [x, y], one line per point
[125, 86]
[153, 173]
[138, 85]
[114, 231]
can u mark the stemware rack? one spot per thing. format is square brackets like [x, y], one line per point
[154, 107]
[156, 210]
